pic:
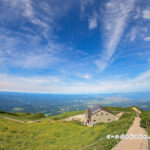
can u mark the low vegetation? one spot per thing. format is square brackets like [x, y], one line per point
[66, 115]
[145, 120]
[51, 133]
[22, 116]
[120, 109]
[117, 110]
[145, 123]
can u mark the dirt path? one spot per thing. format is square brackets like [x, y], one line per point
[119, 115]
[29, 122]
[133, 144]
[135, 109]
[15, 120]
[80, 117]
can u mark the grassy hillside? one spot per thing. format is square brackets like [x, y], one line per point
[66, 115]
[22, 116]
[53, 134]
[145, 122]
[117, 110]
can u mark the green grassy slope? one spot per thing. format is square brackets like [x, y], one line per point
[53, 134]
[145, 123]
[22, 116]
[117, 110]
[66, 115]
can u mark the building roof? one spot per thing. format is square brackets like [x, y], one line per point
[91, 111]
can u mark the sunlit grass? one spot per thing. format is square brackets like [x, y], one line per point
[22, 116]
[53, 134]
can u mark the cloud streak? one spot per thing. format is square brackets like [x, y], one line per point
[115, 19]
[44, 58]
[93, 22]
[52, 84]
[26, 10]
[33, 43]
[146, 13]
[84, 4]
[85, 76]
[147, 39]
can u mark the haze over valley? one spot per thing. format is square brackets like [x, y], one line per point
[53, 104]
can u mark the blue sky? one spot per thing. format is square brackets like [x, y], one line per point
[74, 46]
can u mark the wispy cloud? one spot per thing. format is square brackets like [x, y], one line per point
[85, 76]
[138, 13]
[133, 34]
[114, 21]
[146, 13]
[25, 8]
[53, 84]
[33, 45]
[42, 61]
[93, 22]
[42, 16]
[147, 39]
[28, 84]
[84, 4]
[45, 57]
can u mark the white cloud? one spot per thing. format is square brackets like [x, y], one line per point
[133, 34]
[101, 64]
[26, 50]
[114, 21]
[138, 13]
[23, 10]
[28, 60]
[146, 13]
[86, 76]
[32, 84]
[42, 16]
[37, 61]
[84, 4]
[56, 85]
[37, 57]
[24, 7]
[93, 22]
[147, 39]
[28, 9]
